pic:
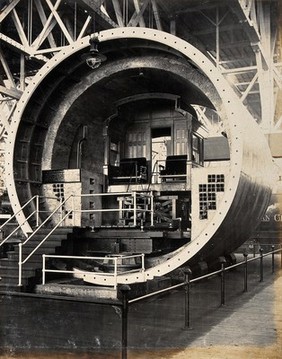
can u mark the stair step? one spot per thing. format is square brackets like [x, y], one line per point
[12, 280]
[60, 230]
[30, 246]
[28, 250]
[8, 262]
[12, 255]
[26, 271]
[9, 287]
[55, 236]
[9, 265]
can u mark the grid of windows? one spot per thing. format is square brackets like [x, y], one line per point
[207, 194]
[215, 178]
[59, 191]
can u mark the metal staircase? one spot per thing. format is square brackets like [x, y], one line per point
[30, 271]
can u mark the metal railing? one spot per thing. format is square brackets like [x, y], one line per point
[13, 218]
[64, 213]
[135, 209]
[42, 225]
[125, 289]
[35, 200]
[100, 260]
[158, 172]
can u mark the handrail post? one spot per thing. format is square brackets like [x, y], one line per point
[124, 291]
[272, 262]
[134, 209]
[37, 210]
[223, 261]
[143, 265]
[246, 272]
[43, 268]
[254, 249]
[73, 211]
[152, 209]
[115, 273]
[188, 273]
[61, 207]
[261, 264]
[20, 263]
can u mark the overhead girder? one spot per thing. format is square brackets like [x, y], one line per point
[249, 179]
[73, 24]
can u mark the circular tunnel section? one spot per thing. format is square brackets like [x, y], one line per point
[152, 155]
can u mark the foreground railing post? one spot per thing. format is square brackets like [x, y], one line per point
[261, 264]
[43, 268]
[223, 261]
[20, 263]
[246, 272]
[73, 210]
[272, 262]
[143, 265]
[134, 209]
[124, 291]
[115, 273]
[37, 211]
[188, 274]
[152, 208]
[61, 209]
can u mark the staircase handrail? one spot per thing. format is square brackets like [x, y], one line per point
[15, 214]
[60, 206]
[36, 211]
[21, 261]
[16, 229]
[44, 239]
[14, 217]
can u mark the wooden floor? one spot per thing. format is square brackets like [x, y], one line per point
[248, 326]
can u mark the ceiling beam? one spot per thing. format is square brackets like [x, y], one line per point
[245, 21]
[198, 7]
[94, 6]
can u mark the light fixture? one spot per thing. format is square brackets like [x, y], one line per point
[94, 58]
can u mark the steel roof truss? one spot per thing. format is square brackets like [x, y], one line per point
[8, 9]
[137, 8]
[118, 12]
[19, 28]
[250, 86]
[53, 9]
[43, 19]
[135, 19]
